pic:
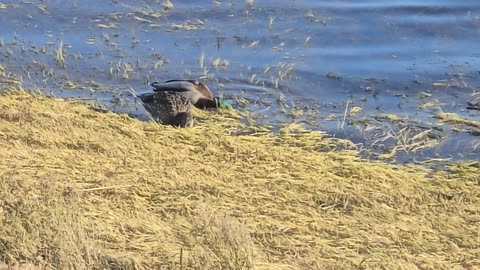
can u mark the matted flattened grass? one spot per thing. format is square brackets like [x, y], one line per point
[85, 189]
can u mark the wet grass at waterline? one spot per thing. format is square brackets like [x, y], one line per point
[84, 189]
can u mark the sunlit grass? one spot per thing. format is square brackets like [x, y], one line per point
[86, 189]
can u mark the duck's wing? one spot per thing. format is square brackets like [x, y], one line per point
[175, 86]
[197, 89]
[180, 80]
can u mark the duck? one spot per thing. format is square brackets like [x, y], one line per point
[171, 101]
[168, 108]
[195, 91]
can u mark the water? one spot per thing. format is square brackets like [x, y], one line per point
[304, 61]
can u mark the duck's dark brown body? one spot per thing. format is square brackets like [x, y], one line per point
[168, 108]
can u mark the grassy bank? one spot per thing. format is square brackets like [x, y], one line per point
[85, 189]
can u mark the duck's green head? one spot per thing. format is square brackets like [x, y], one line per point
[223, 104]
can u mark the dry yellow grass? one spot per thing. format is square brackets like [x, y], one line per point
[89, 190]
[455, 119]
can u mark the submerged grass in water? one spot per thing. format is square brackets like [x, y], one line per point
[85, 189]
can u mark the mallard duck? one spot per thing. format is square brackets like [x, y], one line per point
[196, 91]
[168, 108]
[170, 102]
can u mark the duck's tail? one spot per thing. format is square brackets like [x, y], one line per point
[147, 97]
